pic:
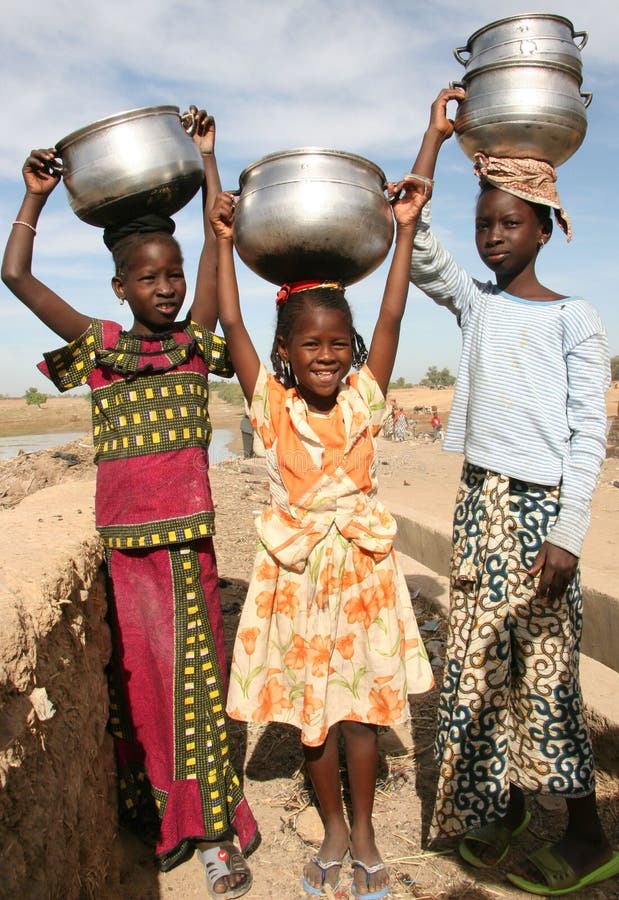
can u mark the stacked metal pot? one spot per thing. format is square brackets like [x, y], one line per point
[523, 78]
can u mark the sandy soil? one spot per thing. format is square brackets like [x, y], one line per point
[415, 472]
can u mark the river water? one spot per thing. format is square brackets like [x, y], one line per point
[30, 443]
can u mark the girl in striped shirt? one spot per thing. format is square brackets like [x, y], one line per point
[529, 416]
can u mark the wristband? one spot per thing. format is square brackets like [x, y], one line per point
[27, 225]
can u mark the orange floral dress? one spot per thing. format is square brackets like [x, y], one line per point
[327, 631]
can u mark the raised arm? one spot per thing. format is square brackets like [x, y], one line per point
[51, 309]
[204, 306]
[240, 347]
[384, 346]
[439, 130]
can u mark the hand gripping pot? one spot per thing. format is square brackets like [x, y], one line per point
[312, 213]
[137, 162]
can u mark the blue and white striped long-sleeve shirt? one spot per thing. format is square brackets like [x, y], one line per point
[530, 393]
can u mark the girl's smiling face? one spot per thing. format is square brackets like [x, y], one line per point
[508, 233]
[153, 285]
[319, 350]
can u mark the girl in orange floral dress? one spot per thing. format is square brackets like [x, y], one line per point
[327, 640]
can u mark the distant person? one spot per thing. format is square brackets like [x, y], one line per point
[529, 415]
[437, 427]
[247, 434]
[400, 426]
[327, 640]
[155, 515]
[389, 422]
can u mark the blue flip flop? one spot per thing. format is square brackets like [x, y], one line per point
[369, 870]
[324, 866]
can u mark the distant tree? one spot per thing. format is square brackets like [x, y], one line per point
[399, 383]
[228, 391]
[614, 368]
[34, 397]
[438, 378]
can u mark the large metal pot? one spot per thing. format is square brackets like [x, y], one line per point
[538, 36]
[523, 96]
[312, 213]
[137, 162]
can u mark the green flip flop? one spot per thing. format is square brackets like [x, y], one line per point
[497, 835]
[559, 876]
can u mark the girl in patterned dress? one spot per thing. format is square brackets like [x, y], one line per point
[529, 415]
[327, 640]
[155, 515]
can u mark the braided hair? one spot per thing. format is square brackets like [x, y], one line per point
[288, 313]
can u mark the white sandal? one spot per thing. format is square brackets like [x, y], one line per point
[221, 861]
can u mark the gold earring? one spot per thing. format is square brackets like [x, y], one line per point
[122, 300]
[541, 243]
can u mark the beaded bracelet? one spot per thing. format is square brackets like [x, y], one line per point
[27, 224]
[428, 183]
[422, 178]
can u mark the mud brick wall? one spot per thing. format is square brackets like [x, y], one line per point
[57, 793]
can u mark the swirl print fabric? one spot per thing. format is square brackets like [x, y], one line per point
[511, 710]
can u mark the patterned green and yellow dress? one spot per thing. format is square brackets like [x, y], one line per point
[155, 515]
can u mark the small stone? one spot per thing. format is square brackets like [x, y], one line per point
[309, 826]
[41, 704]
[552, 804]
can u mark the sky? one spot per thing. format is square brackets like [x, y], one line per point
[351, 75]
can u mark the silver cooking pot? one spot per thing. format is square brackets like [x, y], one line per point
[312, 213]
[522, 111]
[137, 162]
[538, 36]
[523, 97]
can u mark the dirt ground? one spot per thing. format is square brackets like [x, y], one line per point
[270, 758]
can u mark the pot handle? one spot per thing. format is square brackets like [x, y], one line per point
[427, 183]
[55, 167]
[393, 197]
[585, 37]
[188, 124]
[587, 97]
[457, 53]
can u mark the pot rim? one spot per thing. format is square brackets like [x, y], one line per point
[125, 116]
[313, 151]
[554, 16]
[548, 65]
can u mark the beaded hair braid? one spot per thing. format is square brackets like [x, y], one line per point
[288, 312]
